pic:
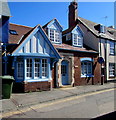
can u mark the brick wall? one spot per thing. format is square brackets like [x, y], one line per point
[31, 86]
[78, 80]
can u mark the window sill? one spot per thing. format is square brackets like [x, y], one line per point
[112, 76]
[56, 42]
[112, 54]
[78, 46]
[37, 80]
[83, 76]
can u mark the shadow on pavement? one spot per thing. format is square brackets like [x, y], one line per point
[109, 116]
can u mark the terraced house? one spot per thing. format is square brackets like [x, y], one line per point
[40, 58]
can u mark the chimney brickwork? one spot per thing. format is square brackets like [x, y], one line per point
[72, 16]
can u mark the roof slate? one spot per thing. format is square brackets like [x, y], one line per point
[21, 32]
[64, 46]
[90, 25]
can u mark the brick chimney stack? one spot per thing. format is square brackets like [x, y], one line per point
[72, 16]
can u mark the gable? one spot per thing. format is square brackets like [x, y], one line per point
[54, 24]
[36, 44]
[78, 31]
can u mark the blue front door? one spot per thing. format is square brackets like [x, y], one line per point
[64, 72]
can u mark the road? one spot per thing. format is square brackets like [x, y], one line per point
[89, 105]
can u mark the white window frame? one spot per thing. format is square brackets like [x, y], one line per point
[112, 48]
[20, 70]
[86, 68]
[37, 68]
[76, 40]
[29, 68]
[55, 34]
[111, 69]
[44, 68]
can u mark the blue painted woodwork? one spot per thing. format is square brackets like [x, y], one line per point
[64, 72]
[86, 59]
[77, 30]
[5, 29]
[54, 25]
[45, 50]
[41, 38]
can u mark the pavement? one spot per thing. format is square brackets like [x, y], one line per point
[22, 100]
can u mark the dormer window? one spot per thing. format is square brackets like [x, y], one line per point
[77, 41]
[102, 29]
[55, 36]
[54, 31]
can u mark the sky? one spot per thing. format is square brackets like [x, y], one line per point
[33, 13]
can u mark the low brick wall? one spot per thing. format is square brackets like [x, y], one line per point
[31, 87]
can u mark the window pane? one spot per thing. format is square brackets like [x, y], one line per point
[37, 67]
[29, 67]
[44, 67]
[86, 68]
[51, 35]
[20, 69]
[112, 48]
[111, 69]
[77, 40]
[57, 36]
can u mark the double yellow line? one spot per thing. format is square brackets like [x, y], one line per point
[38, 106]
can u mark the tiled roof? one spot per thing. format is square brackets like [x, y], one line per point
[72, 48]
[21, 32]
[90, 25]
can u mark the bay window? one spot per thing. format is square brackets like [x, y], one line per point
[36, 68]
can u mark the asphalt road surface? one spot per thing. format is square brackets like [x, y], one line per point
[90, 105]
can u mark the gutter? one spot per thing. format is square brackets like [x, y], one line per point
[76, 50]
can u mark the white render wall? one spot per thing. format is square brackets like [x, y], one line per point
[109, 58]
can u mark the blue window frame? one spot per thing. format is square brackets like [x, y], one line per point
[86, 68]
